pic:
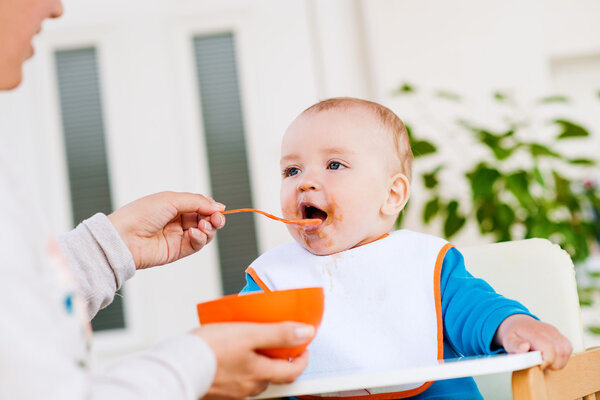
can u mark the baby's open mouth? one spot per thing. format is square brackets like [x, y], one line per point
[312, 212]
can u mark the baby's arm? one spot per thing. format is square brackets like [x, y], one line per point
[472, 311]
[477, 320]
[251, 285]
[521, 333]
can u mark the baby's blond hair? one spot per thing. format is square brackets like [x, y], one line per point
[388, 119]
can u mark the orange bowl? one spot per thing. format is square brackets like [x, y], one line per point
[300, 305]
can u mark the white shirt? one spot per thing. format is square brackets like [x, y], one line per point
[45, 308]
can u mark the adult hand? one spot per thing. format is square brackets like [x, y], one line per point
[241, 371]
[164, 227]
[521, 333]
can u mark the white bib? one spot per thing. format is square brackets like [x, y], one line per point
[382, 305]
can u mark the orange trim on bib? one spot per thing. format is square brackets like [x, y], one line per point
[374, 240]
[437, 276]
[250, 271]
[379, 396]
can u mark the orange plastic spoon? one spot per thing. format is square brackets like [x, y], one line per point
[311, 221]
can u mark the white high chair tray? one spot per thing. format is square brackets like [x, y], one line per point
[447, 369]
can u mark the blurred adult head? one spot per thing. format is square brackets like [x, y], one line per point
[20, 21]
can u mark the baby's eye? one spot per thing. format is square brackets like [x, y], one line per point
[334, 165]
[291, 171]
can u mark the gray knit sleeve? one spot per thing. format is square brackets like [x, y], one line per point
[99, 259]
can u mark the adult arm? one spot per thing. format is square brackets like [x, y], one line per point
[104, 252]
[156, 230]
[99, 259]
[40, 355]
[43, 351]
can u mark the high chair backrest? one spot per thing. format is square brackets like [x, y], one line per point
[538, 274]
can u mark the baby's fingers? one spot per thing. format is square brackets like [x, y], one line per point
[547, 347]
[548, 356]
[563, 350]
[516, 344]
[555, 348]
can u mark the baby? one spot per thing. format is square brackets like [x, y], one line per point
[393, 298]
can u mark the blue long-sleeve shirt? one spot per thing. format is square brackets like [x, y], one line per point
[471, 311]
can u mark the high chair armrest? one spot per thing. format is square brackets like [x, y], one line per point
[580, 378]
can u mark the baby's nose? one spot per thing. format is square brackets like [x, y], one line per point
[308, 184]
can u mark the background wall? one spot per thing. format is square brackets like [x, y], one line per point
[290, 54]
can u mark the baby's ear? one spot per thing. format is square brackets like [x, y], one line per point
[398, 193]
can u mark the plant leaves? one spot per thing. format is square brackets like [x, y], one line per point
[405, 88]
[582, 161]
[430, 180]
[570, 129]
[538, 176]
[422, 148]
[593, 329]
[554, 99]
[502, 153]
[500, 96]
[518, 184]
[539, 150]
[586, 298]
[482, 181]
[454, 220]
[401, 215]
[493, 141]
[506, 195]
[431, 209]
[505, 218]
[564, 194]
[419, 147]
[562, 187]
[537, 225]
[446, 95]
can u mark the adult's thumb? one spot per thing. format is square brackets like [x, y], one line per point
[284, 334]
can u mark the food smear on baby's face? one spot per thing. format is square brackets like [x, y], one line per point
[309, 233]
[310, 211]
[334, 168]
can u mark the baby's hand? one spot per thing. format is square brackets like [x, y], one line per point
[521, 333]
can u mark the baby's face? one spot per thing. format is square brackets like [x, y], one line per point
[334, 167]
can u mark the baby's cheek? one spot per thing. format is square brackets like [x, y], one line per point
[288, 210]
[293, 230]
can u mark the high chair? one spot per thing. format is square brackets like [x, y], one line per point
[540, 275]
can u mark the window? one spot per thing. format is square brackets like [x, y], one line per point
[222, 116]
[83, 129]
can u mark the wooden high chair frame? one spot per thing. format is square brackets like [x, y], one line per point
[580, 378]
